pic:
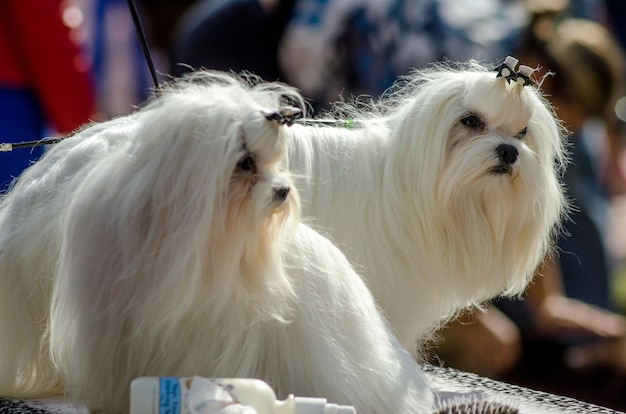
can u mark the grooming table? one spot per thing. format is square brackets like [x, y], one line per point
[450, 385]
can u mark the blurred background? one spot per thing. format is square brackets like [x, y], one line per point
[67, 62]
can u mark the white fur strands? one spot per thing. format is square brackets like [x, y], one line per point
[445, 194]
[167, 243]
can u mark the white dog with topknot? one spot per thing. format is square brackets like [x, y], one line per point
[167, 243]
[446, 193]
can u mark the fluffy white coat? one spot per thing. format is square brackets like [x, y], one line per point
[423, 204]
[167, 243]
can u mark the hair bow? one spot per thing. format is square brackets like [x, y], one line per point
[507, 70]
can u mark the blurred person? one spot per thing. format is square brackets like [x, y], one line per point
[160, 18]
[589, 75]
[241, 35]
[120, 72]
[332, 48]
[359, 48]
[45, 84]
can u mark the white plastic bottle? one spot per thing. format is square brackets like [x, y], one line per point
[197, 395]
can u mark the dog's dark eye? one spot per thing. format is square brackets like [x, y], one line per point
[521, 134]
[247, 164]
[472, 121]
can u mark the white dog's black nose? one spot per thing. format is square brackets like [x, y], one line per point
[281, 193]
[507, 153]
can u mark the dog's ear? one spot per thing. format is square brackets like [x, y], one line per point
[285, 115]
[134, 237]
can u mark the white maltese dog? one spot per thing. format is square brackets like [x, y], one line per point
[445, 193]
[167, 243]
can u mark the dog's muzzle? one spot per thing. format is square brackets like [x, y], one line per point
[507, 156]
[281, 194]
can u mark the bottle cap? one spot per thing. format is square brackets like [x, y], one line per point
[339, 409]
[306, 405]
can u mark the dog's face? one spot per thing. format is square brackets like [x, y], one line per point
[486, 154]
[261, 200]
[503, 126]
[215, 160]
[258, 187]
[258, 198]
[253, 202]
[482, 131]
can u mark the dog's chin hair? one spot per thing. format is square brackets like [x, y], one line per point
[411, 200]
[250, 244]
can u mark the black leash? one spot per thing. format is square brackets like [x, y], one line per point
[144, 43]
[6, 147]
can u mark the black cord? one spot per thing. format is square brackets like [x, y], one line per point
[144, 43]
[29, 144]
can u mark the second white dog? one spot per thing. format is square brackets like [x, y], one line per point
[167, 243]
[444, 194]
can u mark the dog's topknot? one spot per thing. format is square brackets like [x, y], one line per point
[407, 87]
[271, 94]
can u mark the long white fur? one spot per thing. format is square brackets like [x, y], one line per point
[140, 247]
[408, 197]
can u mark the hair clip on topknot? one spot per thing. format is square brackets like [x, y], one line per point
[524, 76]
[507, 68]
[286, 115]
[507, 71]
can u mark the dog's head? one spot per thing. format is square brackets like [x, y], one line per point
[482, 158]
[205, 182]
[478, 125]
